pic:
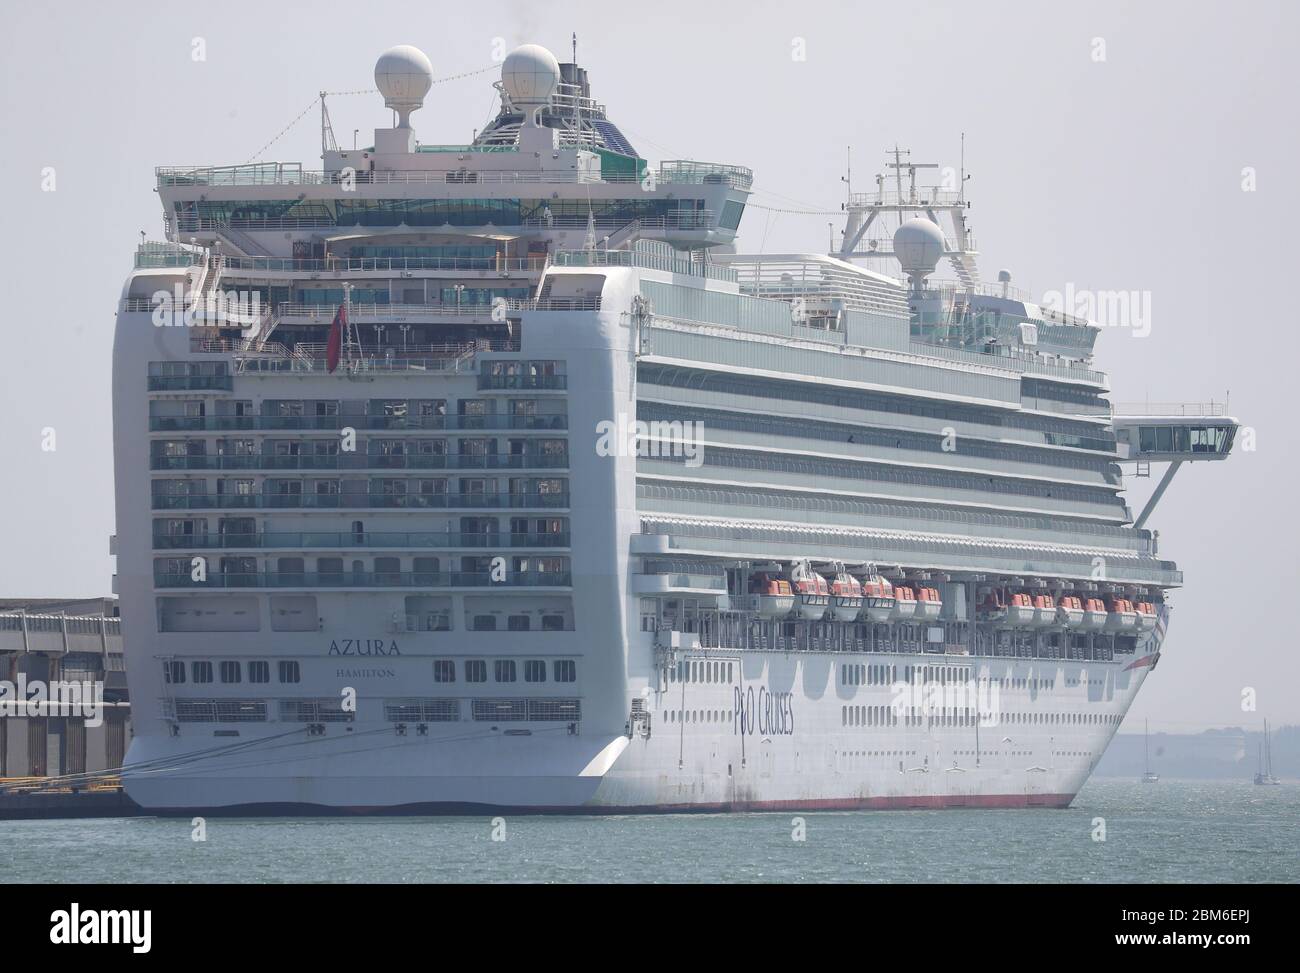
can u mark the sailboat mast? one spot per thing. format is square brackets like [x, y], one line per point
[1268, 751]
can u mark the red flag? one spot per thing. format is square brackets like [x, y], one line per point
[335, 342]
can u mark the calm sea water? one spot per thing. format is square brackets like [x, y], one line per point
[1173, 831]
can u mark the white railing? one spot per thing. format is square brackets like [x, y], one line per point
[1204, 410]
[677, 172]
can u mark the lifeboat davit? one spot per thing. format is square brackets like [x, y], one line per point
[1146, 616]
[846, 596]
[904, 604]
[992, 609]
[1069, 611]
[1094, 615]
[928, 603]
[1021, 613]
[1122, 618]
[770, 595]
[878, 595]
[812, 595]
[1044, 611]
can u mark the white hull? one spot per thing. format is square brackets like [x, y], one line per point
[804, 745]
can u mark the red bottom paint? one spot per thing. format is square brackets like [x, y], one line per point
[828, 804]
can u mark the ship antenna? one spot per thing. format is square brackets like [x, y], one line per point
[327, 142]
[962, 186]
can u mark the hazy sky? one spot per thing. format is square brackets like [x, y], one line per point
[1117, 173]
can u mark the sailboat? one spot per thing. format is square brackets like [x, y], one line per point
[1148, 776]
[1264, 775]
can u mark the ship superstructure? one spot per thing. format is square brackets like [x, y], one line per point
[489, 475]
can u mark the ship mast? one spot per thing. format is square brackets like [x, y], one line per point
[863, 211]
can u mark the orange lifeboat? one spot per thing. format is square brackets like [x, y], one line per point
[1069, 611]
[1122, 618]
[1146, 616]
[769, 595]
[812, 595]
[846, 595]
[1044, 611]
[1021, 612]
[1094, 615]
[904, 604]
[878, 595]
[928, 603]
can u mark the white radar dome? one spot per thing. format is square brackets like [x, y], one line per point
[530, 75]
[403, 76]
[918, 245]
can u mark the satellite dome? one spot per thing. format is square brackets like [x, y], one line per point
[530, 76]
[918, 245]
[1004, 276]
[403, 76]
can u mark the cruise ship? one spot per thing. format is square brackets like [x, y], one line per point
[496, 475]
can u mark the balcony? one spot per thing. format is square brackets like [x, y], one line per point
[189, 383]
[333, 264]
[689, 172]
[350, 540]
[361, 461]
[530, 382]
[378, 579]
[334, 501]
[557, 422]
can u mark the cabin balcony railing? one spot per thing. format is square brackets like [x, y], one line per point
[186, 383]
[367, 579]
[173, 223]
[363, 365]
[375, 312]
[361, 461]
[543, 422]
[349, 501]
[523, 382]
[366, 264]
[351, 540]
